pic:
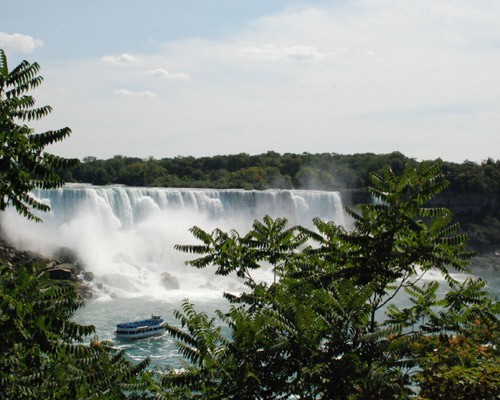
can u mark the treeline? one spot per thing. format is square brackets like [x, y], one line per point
[326, 171]
[239, 171]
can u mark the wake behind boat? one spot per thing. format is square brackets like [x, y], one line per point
[140, 329]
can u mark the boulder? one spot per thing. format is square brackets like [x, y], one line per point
[169, 281]
[85, 291]
[72, 267]
[60, 273]
[88, 276]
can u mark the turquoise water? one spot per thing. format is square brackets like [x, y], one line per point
[104, 313]
[493, 279]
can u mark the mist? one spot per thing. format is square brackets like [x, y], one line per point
[126, 236]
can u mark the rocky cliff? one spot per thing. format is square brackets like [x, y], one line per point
[467, 209]
[62, 268]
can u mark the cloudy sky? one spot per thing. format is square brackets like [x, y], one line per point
[167, 78]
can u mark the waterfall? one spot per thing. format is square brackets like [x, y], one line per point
[126, 235]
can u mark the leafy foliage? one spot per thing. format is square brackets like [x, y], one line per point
[461, 360]
[319, 330]
[24, 165]
[42, 352]
[328, 171]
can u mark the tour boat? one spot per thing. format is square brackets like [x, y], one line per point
[140, 329]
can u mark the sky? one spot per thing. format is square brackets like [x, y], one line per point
[167, 78]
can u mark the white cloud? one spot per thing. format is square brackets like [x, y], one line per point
[122, 59]
[162, 73]
[360, 76]
[291, 53]
[132, 93]
[19, 42]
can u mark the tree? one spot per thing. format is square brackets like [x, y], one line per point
[42, 354]
[329, 327]
[24, 165]
[461, 359]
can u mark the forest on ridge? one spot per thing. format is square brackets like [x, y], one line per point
[271, 170]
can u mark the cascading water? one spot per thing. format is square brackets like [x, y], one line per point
[126, 236]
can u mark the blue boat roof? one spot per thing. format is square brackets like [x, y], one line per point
[144, 322]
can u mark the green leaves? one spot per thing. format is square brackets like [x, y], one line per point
[231, 253]
[328, 326]
[24, 165]
[42, 354]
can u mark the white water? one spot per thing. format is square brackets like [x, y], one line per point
[126, 236]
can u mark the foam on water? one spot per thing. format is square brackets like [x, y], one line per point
[126, 236]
